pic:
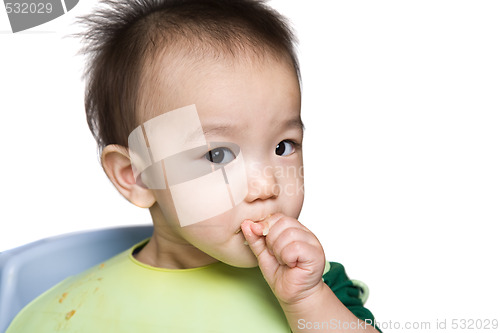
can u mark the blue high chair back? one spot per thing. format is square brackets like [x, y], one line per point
[29, 270]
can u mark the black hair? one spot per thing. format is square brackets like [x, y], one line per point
[120, 35]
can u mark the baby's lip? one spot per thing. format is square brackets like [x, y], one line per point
[255, 220]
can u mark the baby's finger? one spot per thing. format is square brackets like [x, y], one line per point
[263, 227]
[284, 223]
[303, 255]
[267, 262]
[289, 236]
[256, 242]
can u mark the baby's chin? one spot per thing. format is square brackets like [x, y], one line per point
[245, 264]
[245, 259]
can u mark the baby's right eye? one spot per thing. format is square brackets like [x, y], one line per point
[221, 155]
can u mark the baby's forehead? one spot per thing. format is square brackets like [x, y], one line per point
[169, 81]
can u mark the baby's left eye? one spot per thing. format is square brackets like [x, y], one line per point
[284, 148]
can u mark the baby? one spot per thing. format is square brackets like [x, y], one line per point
[195, 105]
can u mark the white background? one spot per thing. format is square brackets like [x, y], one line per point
[401, 104]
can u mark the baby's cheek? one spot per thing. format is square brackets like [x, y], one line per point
[207, 234]
[164, 200]
[293, 197]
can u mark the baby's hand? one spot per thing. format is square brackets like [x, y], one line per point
[289, 255]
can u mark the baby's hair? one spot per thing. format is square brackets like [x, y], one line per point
[123, 38]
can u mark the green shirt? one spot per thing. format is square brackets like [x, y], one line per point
[125, 295]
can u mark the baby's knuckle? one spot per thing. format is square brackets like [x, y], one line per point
[296, 247]
[292, 233]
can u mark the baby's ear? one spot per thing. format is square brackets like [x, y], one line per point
[116, 163]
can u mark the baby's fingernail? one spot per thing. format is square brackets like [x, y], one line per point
[265, 231]
[245, 243]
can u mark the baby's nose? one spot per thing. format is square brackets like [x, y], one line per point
[262, 183]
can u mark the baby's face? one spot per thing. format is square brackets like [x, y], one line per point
[255, 107]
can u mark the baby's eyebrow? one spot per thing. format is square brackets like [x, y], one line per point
[294, 123]
[220, 129]
[224, 129]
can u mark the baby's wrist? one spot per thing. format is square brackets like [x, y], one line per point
[307, 300]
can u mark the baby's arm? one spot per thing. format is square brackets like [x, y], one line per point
[292, 261]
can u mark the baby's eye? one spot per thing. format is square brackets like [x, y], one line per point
[221, 155]
[284, 148]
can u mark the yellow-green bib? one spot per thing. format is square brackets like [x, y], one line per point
[124, 295]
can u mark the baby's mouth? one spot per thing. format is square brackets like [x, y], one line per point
[261, 219]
